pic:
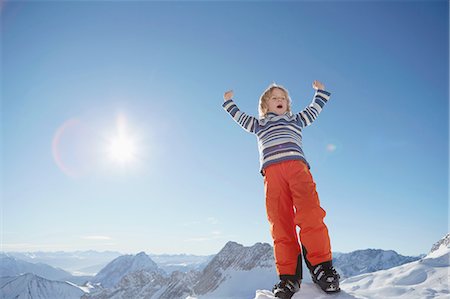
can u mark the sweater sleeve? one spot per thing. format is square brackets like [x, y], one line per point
[310, 113]
[247, 122]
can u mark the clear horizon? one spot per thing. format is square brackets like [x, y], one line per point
[185, 253]
[113, 136]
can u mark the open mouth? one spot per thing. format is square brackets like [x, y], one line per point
[280, 106]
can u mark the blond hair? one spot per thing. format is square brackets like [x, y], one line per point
[262, 107]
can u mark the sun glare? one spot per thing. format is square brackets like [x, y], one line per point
[122, 147]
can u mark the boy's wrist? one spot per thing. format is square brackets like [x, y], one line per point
[323, 91]
[226, 102]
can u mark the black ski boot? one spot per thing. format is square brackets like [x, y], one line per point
[326, 277]
[286, 288]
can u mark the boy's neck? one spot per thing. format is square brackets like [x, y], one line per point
[275, 114]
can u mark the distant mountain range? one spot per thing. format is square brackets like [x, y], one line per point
[223, 276]
[77, 262]
[89, 263]
[139, 276]
[369, 260]
[10, 266]
[181, 262]
[217, 280]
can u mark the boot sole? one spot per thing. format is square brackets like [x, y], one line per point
[283, 296]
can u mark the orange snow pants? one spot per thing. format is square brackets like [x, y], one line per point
[291, 201]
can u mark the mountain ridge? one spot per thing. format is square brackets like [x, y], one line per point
[138, 276]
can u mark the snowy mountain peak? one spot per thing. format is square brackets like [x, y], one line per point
[32, 286]
[112, 273]
[441, 245]
[230, 245]
[233, 257]
[143, 260]
[439, 255]
[239, 257]
[141, 254]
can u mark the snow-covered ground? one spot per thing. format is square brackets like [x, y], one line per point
[307, 291]
[423, 279]
[242, 284]
[427, 278]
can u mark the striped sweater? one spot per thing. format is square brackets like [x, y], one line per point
[279, 136]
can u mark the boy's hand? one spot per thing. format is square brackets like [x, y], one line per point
[317, 85]
[228, 95]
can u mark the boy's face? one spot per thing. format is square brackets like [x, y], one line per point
[277, 103]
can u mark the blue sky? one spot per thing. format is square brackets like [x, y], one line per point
[74, 72]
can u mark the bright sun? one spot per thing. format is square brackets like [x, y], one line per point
[122, 147]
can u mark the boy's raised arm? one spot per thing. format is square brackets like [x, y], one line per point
[310, 113]
[247, 122]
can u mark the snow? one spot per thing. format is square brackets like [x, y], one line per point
[427, 278]
[240, 284]
[307, 291]
[440, 251]
[112, 273]
[32, 286]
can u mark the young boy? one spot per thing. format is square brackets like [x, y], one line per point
[290, 191]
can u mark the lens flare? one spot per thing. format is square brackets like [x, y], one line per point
[331, 147]
[70, 148]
